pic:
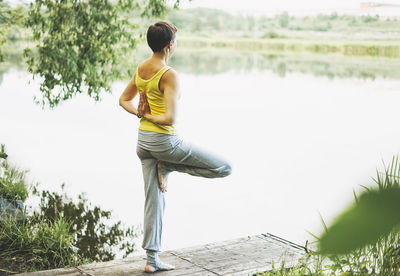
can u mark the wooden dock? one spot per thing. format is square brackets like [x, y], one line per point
[242, 256]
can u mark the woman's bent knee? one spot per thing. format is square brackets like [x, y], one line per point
[225, 170]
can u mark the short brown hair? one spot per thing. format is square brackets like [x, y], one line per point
[160, 34]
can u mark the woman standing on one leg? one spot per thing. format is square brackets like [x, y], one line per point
[158, 147]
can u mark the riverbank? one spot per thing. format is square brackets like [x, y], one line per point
[346, 47]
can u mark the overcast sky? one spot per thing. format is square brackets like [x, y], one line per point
[265, 7]
[271, 6]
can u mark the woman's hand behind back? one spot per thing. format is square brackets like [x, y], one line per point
[144, 107]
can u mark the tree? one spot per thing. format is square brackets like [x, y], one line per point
[4, 14]
[284, 19]
[8, 17]
[81, 43]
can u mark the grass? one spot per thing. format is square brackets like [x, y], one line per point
[12, 179]
[36, 244]
[379, 258]
[12, 183]
[381, 48]
[60, 233]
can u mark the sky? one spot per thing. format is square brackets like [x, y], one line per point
[273, 6]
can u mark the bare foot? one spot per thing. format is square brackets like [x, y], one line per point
[162, 176]
[149, 268]
[162, 267]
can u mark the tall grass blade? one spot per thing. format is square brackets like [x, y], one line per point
[323, 222]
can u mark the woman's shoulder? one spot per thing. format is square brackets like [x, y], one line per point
[169, 78]
[170, 73]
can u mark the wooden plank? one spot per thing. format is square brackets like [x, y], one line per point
[241, 256]
[136, 268]
[52, 272]
[98, 265]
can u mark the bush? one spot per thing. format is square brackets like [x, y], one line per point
[283, 19]
[60, 233]
[36, 244]
[369, 19]
[271, 35]
[363, 257]
[12, 180]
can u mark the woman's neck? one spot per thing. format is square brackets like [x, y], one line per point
[160, 57]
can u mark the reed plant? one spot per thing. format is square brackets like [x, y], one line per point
[363, 240]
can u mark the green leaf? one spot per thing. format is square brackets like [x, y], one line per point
[376, 214]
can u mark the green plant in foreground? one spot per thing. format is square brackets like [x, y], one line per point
[364, 239]
[310, 264]
[60, 233]
[12, 179]
[36, 244]
[375, 213]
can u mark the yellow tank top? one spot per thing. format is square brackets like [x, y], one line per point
[156, 101]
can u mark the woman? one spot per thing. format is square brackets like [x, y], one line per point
[158, 147]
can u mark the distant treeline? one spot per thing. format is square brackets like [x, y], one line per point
[208, 21]
[205, 62]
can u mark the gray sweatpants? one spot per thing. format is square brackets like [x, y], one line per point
[176, 155]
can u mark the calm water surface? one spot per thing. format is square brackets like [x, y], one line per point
[299, 145]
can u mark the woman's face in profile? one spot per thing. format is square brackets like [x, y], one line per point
[174, 45]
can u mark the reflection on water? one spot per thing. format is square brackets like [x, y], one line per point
[13, 60]
[331, 66]
[218, 61]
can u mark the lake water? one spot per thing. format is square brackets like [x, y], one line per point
[299, 143]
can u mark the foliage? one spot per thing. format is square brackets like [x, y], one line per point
[283, 19]
[8, 17]
[59, 232]
[370, 244]
[311, 264]
[3, 154]
[374, 214]
[12, 180]
[373, 254]
[79, 45]
[157, 8]
[271, 35]
[381, 258]
[36, 244]
[4, 14]
[368, 18]
[202, 21]
[91, 235]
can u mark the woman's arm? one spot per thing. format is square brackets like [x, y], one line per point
[169, 86]
[130, 92]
